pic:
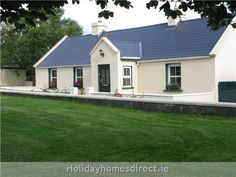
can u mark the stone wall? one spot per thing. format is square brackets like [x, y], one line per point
[216, 109]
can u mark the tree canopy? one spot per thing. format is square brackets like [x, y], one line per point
[23, 48]
[219, 13]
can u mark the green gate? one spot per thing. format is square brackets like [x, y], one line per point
[227, 91]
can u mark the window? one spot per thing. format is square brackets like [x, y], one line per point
[78, 77]
[173, 77]
[53, 78]
[127, 76]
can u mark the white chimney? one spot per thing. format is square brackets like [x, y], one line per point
[98, 27]
[183, 17]
[172, 22]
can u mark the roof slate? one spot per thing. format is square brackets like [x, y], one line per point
[189, 38]
[128, 48]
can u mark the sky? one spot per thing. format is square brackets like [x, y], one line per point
[87, 11]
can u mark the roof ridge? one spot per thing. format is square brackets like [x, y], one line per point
[132, 28]
[150, 25]
[131, 41]
[75, 36]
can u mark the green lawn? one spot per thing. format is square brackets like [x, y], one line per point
[51, 130]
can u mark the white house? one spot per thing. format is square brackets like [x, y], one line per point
[184, 60]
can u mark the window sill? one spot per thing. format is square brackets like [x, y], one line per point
[79, 87]
[127, 88]
[172, 90]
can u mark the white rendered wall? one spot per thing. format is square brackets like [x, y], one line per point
[65, 78]
[225, 60]
[197, 76]
[151, 77]
[9, 77]
[86, 76]
[41, 77]
[110, 57]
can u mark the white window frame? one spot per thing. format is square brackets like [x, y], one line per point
[78, 77]
[53, 77]
[127, 77]
[175, 76]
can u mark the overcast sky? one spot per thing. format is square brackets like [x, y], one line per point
[87, 11]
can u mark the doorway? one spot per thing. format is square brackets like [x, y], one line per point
[104, 78]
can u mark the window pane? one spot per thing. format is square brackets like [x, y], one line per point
[128, 71]
[124, 82]
[172, 71]
[79, 83]
[128, 82]
[54, 73]
[178, 80]
[125, 71]
[53, 83]
[172, 80]
[178, 72]
[79, 72]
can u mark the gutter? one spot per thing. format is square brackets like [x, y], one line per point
[130, 58]
[68, 66]
[179, 58]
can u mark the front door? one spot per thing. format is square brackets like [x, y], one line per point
[104, 78]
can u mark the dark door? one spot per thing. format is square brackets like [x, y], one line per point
[104, 78]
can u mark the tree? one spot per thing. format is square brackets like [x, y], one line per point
[219, 13]
[23, 48]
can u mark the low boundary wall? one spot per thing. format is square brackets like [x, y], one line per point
[217, 109]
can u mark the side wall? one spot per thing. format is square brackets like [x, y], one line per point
[225, 62]
[11, 78]
[197, 76]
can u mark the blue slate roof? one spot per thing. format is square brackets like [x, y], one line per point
[128, 48]
[72, 51]
[188, 39]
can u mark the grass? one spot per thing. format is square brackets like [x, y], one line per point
[52, 130]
